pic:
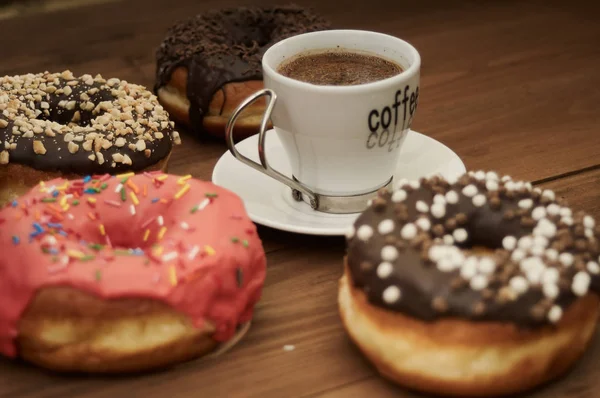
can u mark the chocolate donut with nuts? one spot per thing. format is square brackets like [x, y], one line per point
[58, 125]
[475, 287]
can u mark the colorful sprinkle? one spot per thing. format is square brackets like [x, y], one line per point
[102, 230]
[182, 192]
[173, 275]
[132, 185]
[112, 203]
[146, 235]
[183, 179]
[209, 250]
[161, 233]
[193, 253]
[126, 175]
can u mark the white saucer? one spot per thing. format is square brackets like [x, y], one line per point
[270, 203]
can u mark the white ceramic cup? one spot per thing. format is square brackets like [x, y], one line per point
[343, 142]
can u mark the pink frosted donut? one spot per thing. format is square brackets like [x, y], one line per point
[125, 273]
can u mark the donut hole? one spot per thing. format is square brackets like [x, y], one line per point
[76, 109]
[130, 238]
[70, 118]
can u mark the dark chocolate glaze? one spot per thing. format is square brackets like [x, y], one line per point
[429, 293]
[57, 157]
[224, 46]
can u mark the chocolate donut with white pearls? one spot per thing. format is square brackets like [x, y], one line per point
[481, 251]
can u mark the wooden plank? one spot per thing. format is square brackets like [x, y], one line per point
[493, 87]
[298, 308]
[502, 85]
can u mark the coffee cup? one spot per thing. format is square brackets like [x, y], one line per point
[343, 142]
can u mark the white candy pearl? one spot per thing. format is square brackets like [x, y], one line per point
[479, 175]
[552, 254]
[553, 209]
[478, 282]
[540, 241]
[422, 206]
[538, 213]
[391, 294]
[555, 314]
[439, 198]
[448, 240]
[385, 227]
[588, 222]
[487, 266]
[550, 275]
[384, 270]
[519, 284]
[423, 223]
[517, 255]
[491, 175]
[399, 196]
[525, 243]
[549, 194]
[389, 253]
[409, 231]
[479, 200]
[364, 232]
[452, 197]
[593, 267]
[550, 290]
[438, 210]
[565, 211]
[525, 203]
[509, 243]
[460, 235]
[469, 268]
[491, 185]
[566, 259]
[581, 283]
[470, 190]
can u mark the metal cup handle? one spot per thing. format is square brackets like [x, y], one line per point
[297, 188]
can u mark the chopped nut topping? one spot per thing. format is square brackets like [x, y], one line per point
[73, 147]
[39, 148]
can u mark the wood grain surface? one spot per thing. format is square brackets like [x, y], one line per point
[509, 85]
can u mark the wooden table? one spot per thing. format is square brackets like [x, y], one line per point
[509, 85]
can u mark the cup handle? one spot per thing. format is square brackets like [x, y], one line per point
[297, 188]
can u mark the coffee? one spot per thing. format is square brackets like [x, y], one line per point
[338, 68]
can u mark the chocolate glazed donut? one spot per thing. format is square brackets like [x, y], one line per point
[476, 287]
[210, 63]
